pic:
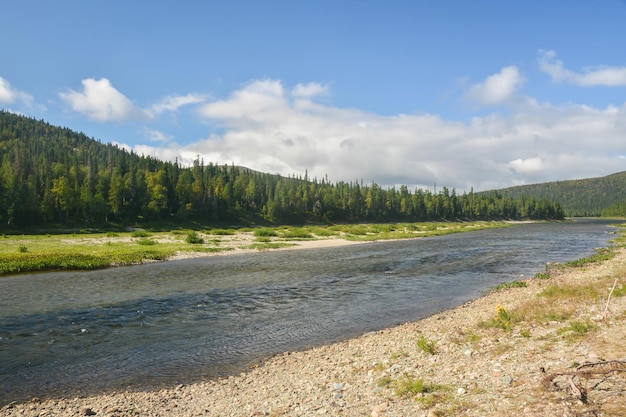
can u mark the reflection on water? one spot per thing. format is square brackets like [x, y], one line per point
[199, 318]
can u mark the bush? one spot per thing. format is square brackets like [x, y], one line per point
[194, 238]
[22, 249]
[265, 232]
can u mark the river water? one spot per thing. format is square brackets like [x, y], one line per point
[181, 321]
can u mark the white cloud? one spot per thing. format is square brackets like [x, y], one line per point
[265, 127]
[173, 103]
[10, 95]
[592, 76]
[100, 101]
[309, 90]
[157, 136]
[497, 88]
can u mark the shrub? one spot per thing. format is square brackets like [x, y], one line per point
[409, 385]
[194, 238]
[264, 232]
[426, 346]
[22, 249]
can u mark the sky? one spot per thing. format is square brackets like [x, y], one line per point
[465, 94]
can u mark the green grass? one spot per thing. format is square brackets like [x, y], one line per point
[268, 245]
[222, 232]
[296, 233]
[506, 285]
[411, 386]
[602, 254]
[84, 250]
[265, 232]
[426, 346]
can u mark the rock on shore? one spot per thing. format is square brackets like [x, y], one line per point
[467, 361]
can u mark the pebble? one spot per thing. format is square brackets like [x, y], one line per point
[342, 379]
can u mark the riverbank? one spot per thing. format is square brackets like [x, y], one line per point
[89, 250]
[520, 350]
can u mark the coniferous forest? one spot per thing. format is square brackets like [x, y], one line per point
[55, 176]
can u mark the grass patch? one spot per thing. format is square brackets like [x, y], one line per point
[411, 386]
[146, 242]
[426, 346]
[222, 232]
[298, 233]
[506, 285]
[140, 233]
[268, 245]
[265, 232]
[504, 319]
[576, 329]
[600, 255]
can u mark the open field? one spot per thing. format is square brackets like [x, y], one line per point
[83, 251]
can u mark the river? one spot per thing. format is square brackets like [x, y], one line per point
[158, 324]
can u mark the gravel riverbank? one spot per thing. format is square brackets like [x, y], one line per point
[516, 351]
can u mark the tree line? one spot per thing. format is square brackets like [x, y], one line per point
[52, 175]
[601, 196]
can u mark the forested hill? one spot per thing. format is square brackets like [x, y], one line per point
[586, 197]
[55, 176]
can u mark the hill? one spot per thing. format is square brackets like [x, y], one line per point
[54, 176]
[585, 197]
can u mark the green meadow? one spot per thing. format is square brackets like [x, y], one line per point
[90, 250]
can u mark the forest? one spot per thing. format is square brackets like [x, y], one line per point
[590, 197]
[53, 176]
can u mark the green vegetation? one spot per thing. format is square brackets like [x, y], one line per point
[604, 196]
[194, 238]
[513, 284]
[426, 346]
[265, 232]
[54, 177]
[603, 254]
[411, 386]
[87, 251]
[504, 319]
[99, 250]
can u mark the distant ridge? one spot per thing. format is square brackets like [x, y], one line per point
[582, 197]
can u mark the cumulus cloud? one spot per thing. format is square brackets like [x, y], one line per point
[157, 136]
[173, 103]
[309, 90]
[591, 76]
[100, 101]
[11, 95]
[497, 88]
[267, 127]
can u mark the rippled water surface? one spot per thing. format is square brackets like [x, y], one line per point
[180, 321]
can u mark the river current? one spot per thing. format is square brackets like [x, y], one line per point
[180, 321]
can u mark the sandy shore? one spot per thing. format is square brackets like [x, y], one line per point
[461, 365]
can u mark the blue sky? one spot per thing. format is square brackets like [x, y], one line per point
[480, 94]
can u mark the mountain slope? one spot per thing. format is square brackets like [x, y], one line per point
[584, 197]
[54, 176]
